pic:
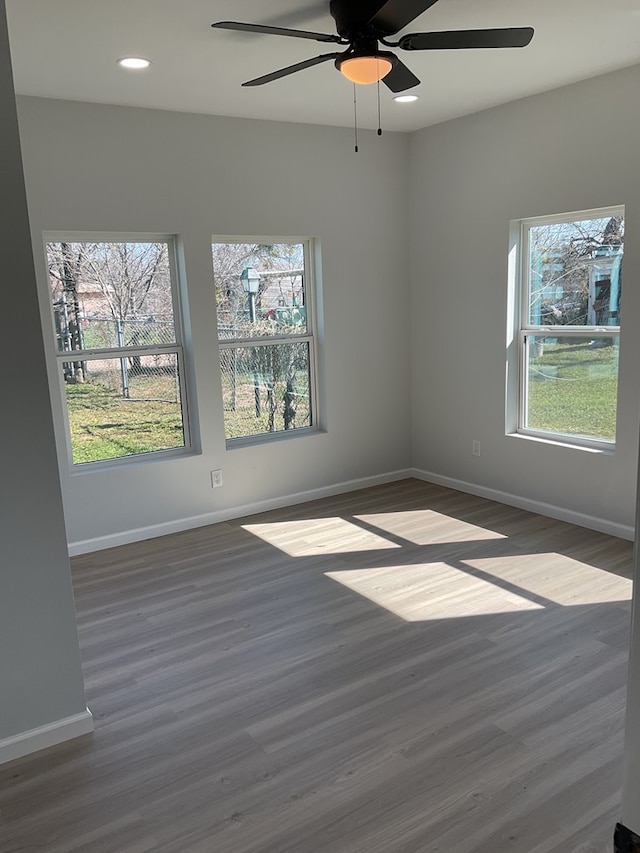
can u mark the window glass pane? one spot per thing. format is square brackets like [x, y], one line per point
[260, 290]
[575, 272]
[123, 406]
[572, 385]
[108, 295]
[266, 388]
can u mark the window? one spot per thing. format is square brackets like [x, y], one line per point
[570, 326]
[264, 304]
[118, 342]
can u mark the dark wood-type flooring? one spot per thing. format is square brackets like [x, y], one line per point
[404, 669]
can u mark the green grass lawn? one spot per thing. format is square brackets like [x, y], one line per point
[104, 425]
[573, 389]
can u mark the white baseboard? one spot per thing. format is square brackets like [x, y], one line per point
[139, 534]
[34, 740]
[602, 525]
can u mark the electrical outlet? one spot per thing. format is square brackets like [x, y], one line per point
[475, 447]
[216, 478]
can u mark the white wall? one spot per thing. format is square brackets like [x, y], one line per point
[572, 149]
[40, 676]
[631, 761]
[96, 167]
[104, 168]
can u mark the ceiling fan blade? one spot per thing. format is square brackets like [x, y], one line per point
[400, 78]
[463, 39]
[311, 11]
[291, 69]
[394, 15]
[276, 31]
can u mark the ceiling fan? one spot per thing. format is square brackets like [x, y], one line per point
[362, 25]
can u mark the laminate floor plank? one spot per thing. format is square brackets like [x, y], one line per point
[403, 669]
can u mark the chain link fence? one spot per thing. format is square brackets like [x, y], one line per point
[266, 388]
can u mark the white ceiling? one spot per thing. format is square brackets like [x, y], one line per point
[68, 49]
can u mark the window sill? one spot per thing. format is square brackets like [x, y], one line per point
[602, 449]
[134, 460]
[272, 438]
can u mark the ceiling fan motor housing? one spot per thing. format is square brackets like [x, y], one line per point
[352, 17]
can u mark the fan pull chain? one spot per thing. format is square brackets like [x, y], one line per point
[355, 116]
[379, 119]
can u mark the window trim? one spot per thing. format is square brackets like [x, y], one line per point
[311, 247]
[177, 348]
[523, 329]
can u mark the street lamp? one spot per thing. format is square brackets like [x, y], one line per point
[250, 279]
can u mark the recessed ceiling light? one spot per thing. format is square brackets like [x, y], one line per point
[136, 62]
[405, 99]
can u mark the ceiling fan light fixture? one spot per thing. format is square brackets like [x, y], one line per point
[365, 69]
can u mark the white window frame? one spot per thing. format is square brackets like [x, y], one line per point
[177, 348]
[310, 275]
[524, 329]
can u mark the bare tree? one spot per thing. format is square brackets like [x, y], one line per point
[561, 255]
[66, 263]
[119, 293]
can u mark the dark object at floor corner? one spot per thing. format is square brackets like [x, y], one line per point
[625, 841]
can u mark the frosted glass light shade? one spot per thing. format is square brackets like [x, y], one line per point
[365, 69]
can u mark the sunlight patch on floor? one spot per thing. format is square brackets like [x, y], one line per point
[428, 527]
[312, 536]
[431, 591]
[556, 577]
